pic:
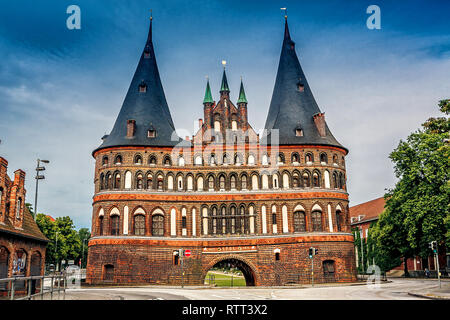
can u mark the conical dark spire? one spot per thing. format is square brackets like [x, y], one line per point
[208, 96]
[224, 85]
[293, 107]
[242, 97]
[146, 104]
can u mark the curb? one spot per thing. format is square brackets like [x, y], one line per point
[434, 297]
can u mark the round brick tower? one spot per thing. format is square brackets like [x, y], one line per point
[226, 194]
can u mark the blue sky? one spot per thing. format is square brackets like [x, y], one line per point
[61, 90]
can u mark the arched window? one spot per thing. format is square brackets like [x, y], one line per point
[101, 186]
[128, 180]
[115, 225]
[212, 159]
[4, 266]
[181, 161]
[160, 182]
[214, 220]
[339, 220]
[286, 181]
[335, 180]
[117, 180]
[335, 159]
[190, 183]
[341, 181]
[244, 182]
[211, 183]
[105, 160]
[309, 158]
[251, 160]
[225, 159]
[295, 158]
[280, 158]
[180, 183]
[118, 159]
[233, 182]
[316, 180]
[343, 161]
[200, 183]
[255, 184]
[222, 182]
[167, 161]
[108, 181]
[265, 160]
[1, 200]
[295, 180]
[198, 160]
[316, 219]
[265, 181]
[306, 180]
[139, 181]
[233, 219]
[152, 160]
[100, 225]
[323, 158]
[275, 181]
[217, 126]
[19, 208]
[157, 225]
[237, 159]
[138, 159]
[139, 225]
[329, 270]
[299, 221]
[149, 181]
[169, 182]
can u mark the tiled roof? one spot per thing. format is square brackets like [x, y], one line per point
[370, 209]
[29, 228]
[292, 108]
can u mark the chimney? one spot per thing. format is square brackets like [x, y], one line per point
[319, 120]
[131, 128]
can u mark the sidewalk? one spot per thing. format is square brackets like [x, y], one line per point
[434, 293]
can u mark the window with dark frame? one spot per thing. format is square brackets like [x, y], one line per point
[157, 225]
[316, 219]
[139, 225]
[299, 221]
[115, 225]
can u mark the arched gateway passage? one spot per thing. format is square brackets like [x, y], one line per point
[247, 271]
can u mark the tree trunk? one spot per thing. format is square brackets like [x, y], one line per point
[405, 263]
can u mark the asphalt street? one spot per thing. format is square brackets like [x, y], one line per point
[397, 289]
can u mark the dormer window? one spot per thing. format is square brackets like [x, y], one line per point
[138, 160]
[142, 87]
[19, 208]
[299, 132]
[151, 133]
[300, 87]
[147, 52]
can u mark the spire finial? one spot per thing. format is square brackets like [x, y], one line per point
[285, 12]
[149, 38]
[151, 14]
[224, 63]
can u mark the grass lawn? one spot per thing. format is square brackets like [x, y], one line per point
[224, 280]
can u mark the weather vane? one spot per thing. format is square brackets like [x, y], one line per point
[224, 63]
[285, 12]
[151, 14]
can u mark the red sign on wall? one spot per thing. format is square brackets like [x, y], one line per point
[187, 253]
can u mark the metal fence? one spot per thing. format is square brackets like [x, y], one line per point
[35, 287]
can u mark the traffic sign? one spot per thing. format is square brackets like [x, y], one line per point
[187, 252]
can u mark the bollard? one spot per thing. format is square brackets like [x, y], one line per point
[12, 289]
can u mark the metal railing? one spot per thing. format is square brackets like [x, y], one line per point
[49, 285]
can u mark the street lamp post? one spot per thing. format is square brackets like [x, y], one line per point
[56, 250]
[38, 177]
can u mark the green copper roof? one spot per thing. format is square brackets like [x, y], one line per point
[208, 96]
[224, 86]
[242, 97]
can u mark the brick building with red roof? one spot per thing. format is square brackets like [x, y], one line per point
[22, 244]
[364, 214]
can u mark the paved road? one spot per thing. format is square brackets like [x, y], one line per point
[396, 290]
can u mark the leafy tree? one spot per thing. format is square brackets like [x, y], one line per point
[84, 236]
[417, 209]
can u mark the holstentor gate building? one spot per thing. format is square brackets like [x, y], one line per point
[226, 193]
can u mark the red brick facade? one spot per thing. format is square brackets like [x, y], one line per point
[148, 258]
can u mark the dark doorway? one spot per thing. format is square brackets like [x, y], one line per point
[328, 271]
[4, 258]
[35, 270]
[231, 264]
[108, 273]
